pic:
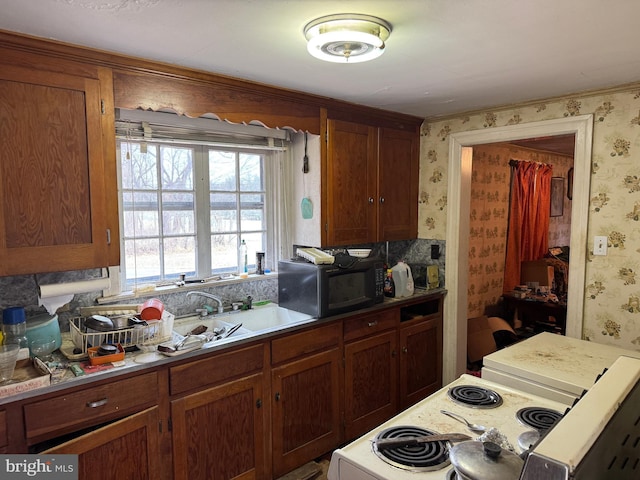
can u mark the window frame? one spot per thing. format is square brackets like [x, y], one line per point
[201, 191]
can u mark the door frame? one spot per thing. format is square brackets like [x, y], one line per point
[457, 234]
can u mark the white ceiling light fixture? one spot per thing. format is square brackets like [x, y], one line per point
[347, 38]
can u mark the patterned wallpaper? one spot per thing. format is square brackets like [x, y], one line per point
[612, 309]
[489, 217]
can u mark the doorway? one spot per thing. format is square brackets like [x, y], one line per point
[457, 234]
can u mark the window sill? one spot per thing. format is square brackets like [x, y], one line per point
[171, 289]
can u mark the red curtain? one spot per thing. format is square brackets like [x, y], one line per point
[528, 234]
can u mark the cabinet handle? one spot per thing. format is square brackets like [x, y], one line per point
[405, 349]
[259, 403]
[381, 199]
[277, 396]
[97, 403]
[373, 324]
[371, 200]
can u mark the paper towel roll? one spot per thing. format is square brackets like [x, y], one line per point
[53, 296]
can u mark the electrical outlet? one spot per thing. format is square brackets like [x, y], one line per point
[599, 245]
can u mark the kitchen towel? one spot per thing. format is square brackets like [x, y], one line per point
[53, 296]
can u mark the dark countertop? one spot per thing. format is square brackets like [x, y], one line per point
[64, 378]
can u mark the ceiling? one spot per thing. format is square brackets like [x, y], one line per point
[443, 57]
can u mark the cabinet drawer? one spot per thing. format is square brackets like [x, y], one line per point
[297, 344]
[3, 429]
[216, 369]
[364, 325]
[66, 413]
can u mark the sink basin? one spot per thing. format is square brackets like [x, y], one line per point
[269, 317]
[259, 319]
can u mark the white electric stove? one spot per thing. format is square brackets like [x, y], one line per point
[596, 438]
[500, 407]
[552, 366]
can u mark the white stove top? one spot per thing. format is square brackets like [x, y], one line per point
[550, 365]
[357, 461]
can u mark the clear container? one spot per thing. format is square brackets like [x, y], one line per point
[243, 257]
[14, 327]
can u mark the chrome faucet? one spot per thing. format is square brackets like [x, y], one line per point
[208, 295]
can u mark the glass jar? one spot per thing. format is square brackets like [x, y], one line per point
[14, 326]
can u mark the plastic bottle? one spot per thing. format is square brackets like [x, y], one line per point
[389, 285]
[403, 279]
[243, 256]
[14, 326]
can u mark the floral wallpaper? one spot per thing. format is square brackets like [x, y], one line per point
[612, 310]
[489, 216]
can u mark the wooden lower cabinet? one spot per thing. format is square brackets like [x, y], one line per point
[126, 449]
[371, 384]
[420, 359]
[305, 410]
[3, 432]
[219, 433]
[256, 412]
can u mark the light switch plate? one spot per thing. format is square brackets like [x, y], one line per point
[600, 245]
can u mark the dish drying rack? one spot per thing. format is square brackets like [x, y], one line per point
[154, 333]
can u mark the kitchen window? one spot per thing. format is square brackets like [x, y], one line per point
[188, 200]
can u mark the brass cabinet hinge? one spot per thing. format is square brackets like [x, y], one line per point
[102, 107]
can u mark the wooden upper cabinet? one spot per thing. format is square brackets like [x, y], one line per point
[398, 185]
[371, 184]
[53, 208]
[352, 177]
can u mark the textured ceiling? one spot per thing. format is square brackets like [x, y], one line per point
[443, 57]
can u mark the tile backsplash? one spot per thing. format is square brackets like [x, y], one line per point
[23, 290]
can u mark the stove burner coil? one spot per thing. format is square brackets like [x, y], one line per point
[423, 457]
[540, 418]
[474, 396]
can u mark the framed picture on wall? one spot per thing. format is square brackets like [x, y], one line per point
[557, 196]
[570, 184]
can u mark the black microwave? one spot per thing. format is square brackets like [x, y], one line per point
[325, 290]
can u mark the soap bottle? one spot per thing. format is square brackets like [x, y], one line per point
[389, 285]
[243, 256]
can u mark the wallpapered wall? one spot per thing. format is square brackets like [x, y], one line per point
[612, 310]
[489, 216]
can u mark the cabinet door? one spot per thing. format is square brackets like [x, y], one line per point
[420, 360]
[3, 432]
[371, 386]
[306, 410]
[124, 449]
[53, 213]
[352, 178]
[219, 433]
[398, 186]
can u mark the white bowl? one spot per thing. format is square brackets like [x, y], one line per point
[359, 252]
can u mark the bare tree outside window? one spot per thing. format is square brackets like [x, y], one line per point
[161, 213]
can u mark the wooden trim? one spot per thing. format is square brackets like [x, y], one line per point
[237, 87]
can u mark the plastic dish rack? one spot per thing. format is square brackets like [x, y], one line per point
[154, 333]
